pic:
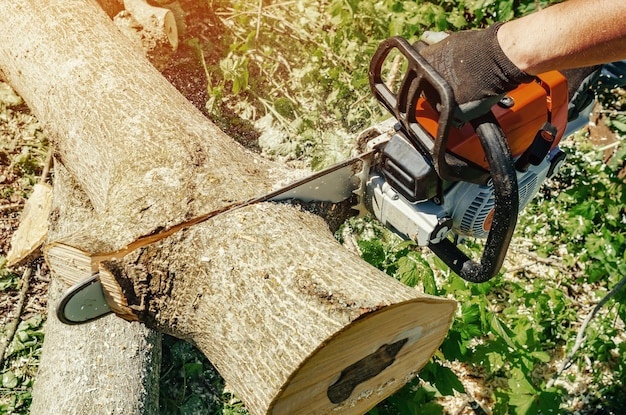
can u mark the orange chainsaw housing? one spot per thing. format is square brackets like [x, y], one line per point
[533, 104]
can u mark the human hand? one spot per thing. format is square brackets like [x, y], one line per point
[476, 68]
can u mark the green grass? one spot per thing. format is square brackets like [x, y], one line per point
[20, 368]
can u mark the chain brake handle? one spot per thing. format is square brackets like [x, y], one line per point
[422, 80]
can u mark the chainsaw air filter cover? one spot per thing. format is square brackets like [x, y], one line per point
[408, 171]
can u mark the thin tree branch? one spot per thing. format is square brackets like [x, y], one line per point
[580, 337]
[12, 326]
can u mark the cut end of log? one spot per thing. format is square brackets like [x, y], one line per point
[171, 30]
[351, 373]
[72, 266]
[152, 28]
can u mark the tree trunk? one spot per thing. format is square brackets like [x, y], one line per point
[293, 322]
[110, 367]
[84, 368]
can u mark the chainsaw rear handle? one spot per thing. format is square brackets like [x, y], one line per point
[422, 80]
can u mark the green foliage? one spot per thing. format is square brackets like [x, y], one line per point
[413, 399]
[586, 220]
[299, 69]
[591, 213]
[20, 367]
[189, 383]
[8, 279]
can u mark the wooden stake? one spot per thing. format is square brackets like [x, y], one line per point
[33, 228]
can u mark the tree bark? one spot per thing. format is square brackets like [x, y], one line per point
[283, 311]
[293, 322]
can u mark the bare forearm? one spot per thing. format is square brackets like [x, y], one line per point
[572, 34]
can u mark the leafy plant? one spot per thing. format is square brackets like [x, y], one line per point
[19, 369]
[189, 383]
[8, 279]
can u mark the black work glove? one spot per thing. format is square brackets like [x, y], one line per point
[476, 68]
[581, 85]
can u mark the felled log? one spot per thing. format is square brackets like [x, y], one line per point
[293, 322]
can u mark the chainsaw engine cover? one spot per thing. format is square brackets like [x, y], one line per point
[521, 114]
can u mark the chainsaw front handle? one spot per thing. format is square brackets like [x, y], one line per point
[421, 80]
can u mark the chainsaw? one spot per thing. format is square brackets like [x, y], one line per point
[427, 177]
